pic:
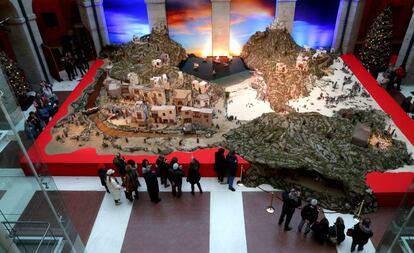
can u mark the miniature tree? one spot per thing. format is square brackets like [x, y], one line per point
[376, 49]
[15, 76]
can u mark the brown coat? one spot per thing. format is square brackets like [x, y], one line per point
[130, 182]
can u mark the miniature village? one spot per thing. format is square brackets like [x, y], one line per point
[301, 119]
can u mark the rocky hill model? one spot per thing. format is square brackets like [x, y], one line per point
[289, 71]
[314, 153]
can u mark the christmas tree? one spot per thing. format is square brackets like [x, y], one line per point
[376, 49]
[15, 77]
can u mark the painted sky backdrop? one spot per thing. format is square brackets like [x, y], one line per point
[125, 18]
[314, 23]
[248, 17]
[189, 23]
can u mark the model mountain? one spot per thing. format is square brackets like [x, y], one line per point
[314, 153]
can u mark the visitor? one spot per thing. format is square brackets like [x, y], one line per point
[337, 232]
[43, 113]
[170, 169]
[113, 186]
[176, 175]
[321, 230]
[193, 176]
[361, 234]
[231, 163]
[291, 200]
[400, 74]
[384, 81]
[79, 65]
[406, 104]
[134, 169]
[220, 165]
[35, 125]
[102, 175]
[151, 181]
[162, 170]
[120, 164]
[68, 64]
[309, 215]
[130, 183]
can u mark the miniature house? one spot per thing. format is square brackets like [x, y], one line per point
[133, 78]
[164, 114]
[200, 87]
[151, 96]
[114, 89]
[181, 98]
[157, 63]
[155, 81]
[281, 67]
[301, 63]
[199, 116]
[202, 100]
[165, 59]
[139, 113]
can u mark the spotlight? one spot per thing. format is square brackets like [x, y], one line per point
[240, 182]
[270, 209]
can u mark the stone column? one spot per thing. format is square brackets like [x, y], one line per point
[352, 25]
[340, 24]
[406, 54]
[10, 103]
[220, 21]
[285, 13]
[157, 14]
[24, 48]
[99, 32]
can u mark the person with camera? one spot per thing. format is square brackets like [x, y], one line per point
[291, 200]
[309, 215]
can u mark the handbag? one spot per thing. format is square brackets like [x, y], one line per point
[349, 232]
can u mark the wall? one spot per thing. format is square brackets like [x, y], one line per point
[67, 15]
[402, 11]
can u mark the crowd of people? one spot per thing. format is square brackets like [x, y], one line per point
[321, 230]
[172, 173]
[46, 104]
[391, 79]
[75, 64]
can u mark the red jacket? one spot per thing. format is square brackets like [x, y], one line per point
[400, 72]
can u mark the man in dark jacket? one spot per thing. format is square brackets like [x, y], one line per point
[151, 181]
[194, 175]
[361, 234]
[102, 176]
[309, 215]
[162, 169]
[177, 175]
[220, 164]
[291, 200]
[231, 163]
[120, 164]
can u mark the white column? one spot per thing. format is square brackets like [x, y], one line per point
[98, 32]
[340, 24]
[353, 25]
[220, 21]
[285, 13]
[157, 14]
[409, 55]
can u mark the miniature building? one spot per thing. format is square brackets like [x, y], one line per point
[125, 90]
[139, 113]
[202, 100]
[180, 79]
[157, 63]
[301, 63]
[281, 67]
[114, 89]
[200, 116]
[361, 134]
[155, 81]
[151, 96]
[164, 82]
[165, 59]
[181, 98]
[165, 114]
[133, 78]
[201, 87]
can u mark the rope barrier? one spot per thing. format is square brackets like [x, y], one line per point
[325, 212]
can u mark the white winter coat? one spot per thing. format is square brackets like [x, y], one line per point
[114, 187]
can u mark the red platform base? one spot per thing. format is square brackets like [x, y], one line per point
[85, 162]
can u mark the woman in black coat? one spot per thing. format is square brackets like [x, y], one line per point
[220, 164]
[231, 163]
[321, 230]
[162, 169]
[361, 234]
[150, 178]
[337, 231]
[193, 176]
